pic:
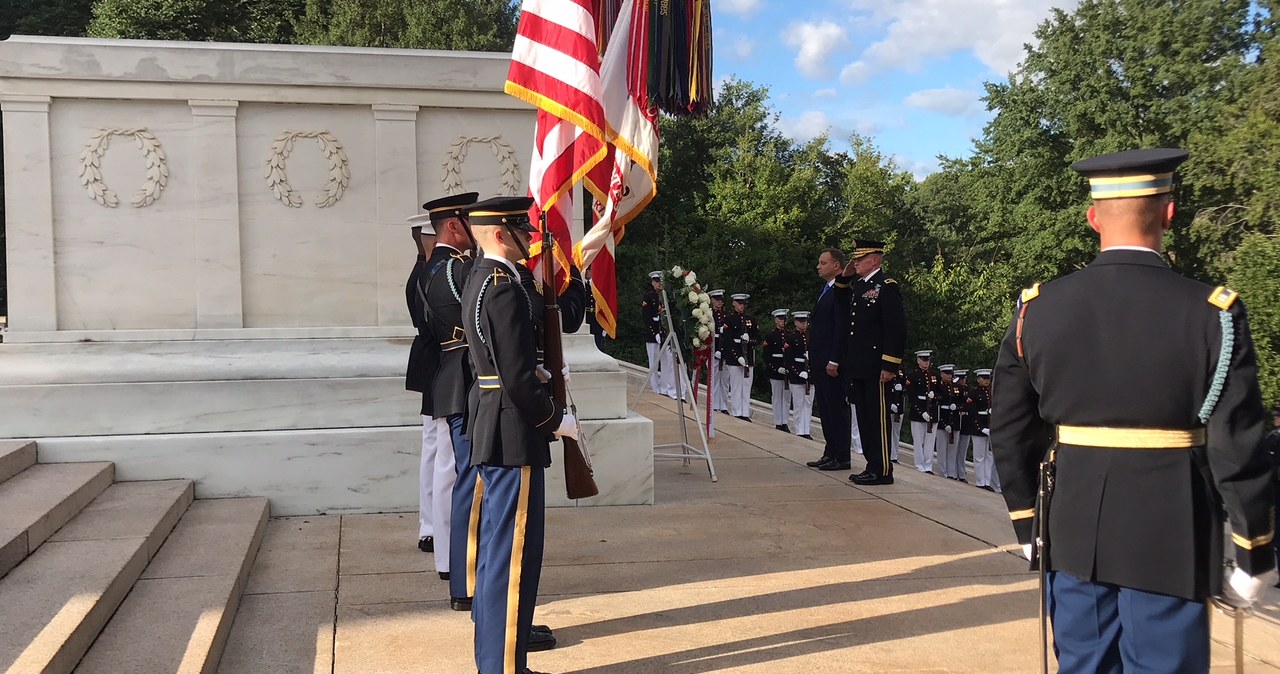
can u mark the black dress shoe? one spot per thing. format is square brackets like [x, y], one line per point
[540, 628]
[824, 460]
[541, 641]
[928, 472]
[893, 460]
[871, 479]
[806, 436]
[786, 428]
[779, 427]
[460, 603]
[427, 544]
[444, 575]
[835, 465]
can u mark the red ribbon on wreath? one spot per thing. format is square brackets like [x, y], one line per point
[702, 359]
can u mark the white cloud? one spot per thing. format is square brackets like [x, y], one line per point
[744, 47]
[993, 30]
[815, 42]
[948, 101]
[917, 168]
[809, 125]
[825, 93]
[738, 7]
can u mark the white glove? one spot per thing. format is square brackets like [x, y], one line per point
[804, 375]
[746, 337]
[986, 431]
[946, 429]
[565, 373]
[926, 416]
[893, 408]
[1243, 591]
[897, 387]
[717, 354]
[1026, 551]
[655, 319]
[930, 395]
[742, 361]
[782, 370]
[953, 407]
[568, 427]
[657, 339]
[544, 375]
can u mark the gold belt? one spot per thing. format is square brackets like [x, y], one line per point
[1130, 438]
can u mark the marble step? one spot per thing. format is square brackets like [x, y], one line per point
[58, 600]
[38, 501]
[178, 616]
[15, 457]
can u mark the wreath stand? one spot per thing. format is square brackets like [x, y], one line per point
[684, 394]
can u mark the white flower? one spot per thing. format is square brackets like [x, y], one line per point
[704, 331]
[676, 270]
[690, 279]
[696, 342]
[706, 305]
[693, 297]
[705, 299]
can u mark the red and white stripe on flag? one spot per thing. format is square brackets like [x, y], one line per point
[625, 183]
[555, 66]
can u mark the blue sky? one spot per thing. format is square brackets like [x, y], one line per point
[907, 73]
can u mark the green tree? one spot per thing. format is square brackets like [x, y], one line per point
[199, 20]
[45, 17]
[474, 25]
[1256, 275]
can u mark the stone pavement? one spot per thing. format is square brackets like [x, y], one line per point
[775, 568]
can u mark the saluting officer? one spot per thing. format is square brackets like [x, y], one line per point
[1148, 382]
[742, 337]
[439, 289]
[775, 359]
[510, 420]
[922, 392]
[948, 428]
[720, 390]
[876, 343]
[796, 354]
[435, 464]
[662, 380]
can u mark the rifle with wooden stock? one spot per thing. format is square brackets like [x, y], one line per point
[578, 479]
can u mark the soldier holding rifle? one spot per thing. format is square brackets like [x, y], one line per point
[1137, 389]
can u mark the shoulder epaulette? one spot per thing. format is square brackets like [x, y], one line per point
[537, 286]
[1223, 297]
[1031, 293]
[500, 276]
[889, 280]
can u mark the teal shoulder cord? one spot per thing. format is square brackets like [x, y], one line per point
[480, 300]
[1224, 362]
[453, 288]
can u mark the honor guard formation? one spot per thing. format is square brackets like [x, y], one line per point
[488, 415]
[1123, 416]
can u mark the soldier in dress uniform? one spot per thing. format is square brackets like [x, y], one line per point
[948, 429]
[964, 434]
[796, 354]
[984, 466]
[897, 408]
[438, 288]
[876, 343]
[720, 390]
[775, 360]
[742, 336]
[510, 420]
[661, 366]
[1141, 386]
[1272, 445]
[922, 392]
[435, 465]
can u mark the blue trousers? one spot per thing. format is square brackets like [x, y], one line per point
[1107, 629]
[462, 581]
[512, 526]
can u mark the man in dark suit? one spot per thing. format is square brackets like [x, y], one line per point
[828, 334]
[510, 420]
[876, 342]
[1141, 386]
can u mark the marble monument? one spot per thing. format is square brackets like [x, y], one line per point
[207, 253]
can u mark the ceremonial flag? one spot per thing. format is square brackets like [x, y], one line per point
[627, 180]
[555, 66]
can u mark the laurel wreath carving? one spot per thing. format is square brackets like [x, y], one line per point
[457, 153]
[278, 181]
[157, 171]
